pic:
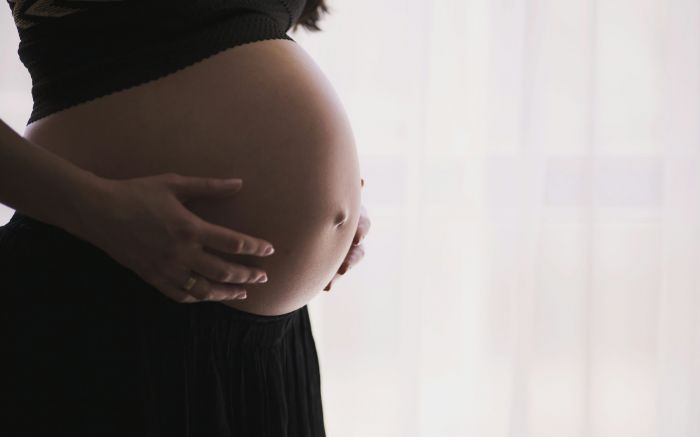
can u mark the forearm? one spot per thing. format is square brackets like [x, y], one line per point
[43, 185]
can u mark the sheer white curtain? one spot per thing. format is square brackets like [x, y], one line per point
[532, 172]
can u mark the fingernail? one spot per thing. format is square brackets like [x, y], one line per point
[263, 278]
[269, 250]
[242, 295]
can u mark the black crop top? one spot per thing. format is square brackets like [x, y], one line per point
[77, 51]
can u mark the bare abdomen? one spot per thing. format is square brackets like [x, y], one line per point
[263, 112]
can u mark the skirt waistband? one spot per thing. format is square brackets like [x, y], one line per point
[50, 236]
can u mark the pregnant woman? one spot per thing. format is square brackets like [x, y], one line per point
[137, 295]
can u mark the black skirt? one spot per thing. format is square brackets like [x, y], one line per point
[90, 349]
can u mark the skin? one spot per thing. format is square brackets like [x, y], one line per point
[357, 250]
[262, 112]
[135, 221]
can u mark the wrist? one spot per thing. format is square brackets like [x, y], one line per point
[89, 201]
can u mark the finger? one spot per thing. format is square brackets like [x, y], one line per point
[202, 289]
[205, 290]
[353, 257]
[189, 187]
[330, 284]
[328, 287]
[179, 296]
[363, 226]
[358, 237]
[347, 258]
[227, 240]
[218, 270]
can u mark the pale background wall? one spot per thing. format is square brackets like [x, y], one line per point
[532, 176]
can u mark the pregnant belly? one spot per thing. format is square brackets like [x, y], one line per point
[263, 112]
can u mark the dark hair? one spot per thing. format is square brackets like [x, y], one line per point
[311, 14]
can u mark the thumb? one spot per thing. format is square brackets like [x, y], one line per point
[187, 188]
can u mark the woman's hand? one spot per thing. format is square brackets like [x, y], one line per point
[357, 251]
[143, 225]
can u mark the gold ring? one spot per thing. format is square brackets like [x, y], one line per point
[190, 282]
